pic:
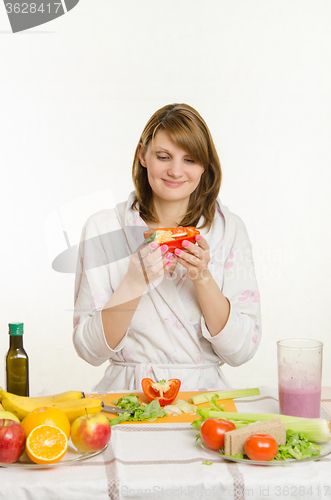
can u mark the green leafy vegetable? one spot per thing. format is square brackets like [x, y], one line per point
[141, 411]
[129, 402]
[206, 462]
[214, 404]
[297, 446]
[123, 417]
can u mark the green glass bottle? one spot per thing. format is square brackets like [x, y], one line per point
[17, 362]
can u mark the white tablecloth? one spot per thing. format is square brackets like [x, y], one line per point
[152, 461]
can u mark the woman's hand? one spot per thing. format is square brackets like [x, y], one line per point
[149, 264]
[195, 259]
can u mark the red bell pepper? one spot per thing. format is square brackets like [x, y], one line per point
[171, 236]
[165, 392]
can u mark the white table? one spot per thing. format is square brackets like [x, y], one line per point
[163, 461]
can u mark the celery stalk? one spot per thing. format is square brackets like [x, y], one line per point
[240, 393]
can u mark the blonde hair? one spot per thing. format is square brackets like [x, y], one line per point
[190, 132]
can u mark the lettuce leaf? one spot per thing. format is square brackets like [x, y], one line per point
[141, 411]
[297, 446]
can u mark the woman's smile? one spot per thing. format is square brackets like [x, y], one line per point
[173, 183]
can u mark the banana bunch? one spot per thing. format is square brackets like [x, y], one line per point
[72, 403]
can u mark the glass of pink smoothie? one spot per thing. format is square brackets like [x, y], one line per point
[300, 377]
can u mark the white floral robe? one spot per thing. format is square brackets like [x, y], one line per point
[167, 337]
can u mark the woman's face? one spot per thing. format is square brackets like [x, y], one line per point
[172, 173]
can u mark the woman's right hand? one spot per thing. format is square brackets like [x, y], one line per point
[149, 264]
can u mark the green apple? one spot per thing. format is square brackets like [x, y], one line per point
[90, 432]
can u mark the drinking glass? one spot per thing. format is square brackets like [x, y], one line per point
[300, 377]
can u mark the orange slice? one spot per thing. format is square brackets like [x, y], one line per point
[46, 444]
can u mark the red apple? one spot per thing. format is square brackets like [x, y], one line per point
[12, 441]
[90, 432]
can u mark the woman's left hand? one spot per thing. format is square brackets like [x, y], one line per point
[195, 259]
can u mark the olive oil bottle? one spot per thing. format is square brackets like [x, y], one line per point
[17, 362]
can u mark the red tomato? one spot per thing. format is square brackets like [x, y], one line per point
[261, 447]
[212, 432]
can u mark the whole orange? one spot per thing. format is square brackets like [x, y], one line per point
[46, 415]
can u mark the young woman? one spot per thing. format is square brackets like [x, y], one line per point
[159, 314]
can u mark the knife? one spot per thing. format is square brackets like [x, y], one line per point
[114, 409]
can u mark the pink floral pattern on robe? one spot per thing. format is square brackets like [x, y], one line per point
[250, 296]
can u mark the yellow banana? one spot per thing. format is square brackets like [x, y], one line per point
[16, 408]
[73, 409]
[2, 408]
[43, 400]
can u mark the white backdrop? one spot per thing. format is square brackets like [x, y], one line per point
[75, 95]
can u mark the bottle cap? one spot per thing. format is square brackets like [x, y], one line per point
[15, 328]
